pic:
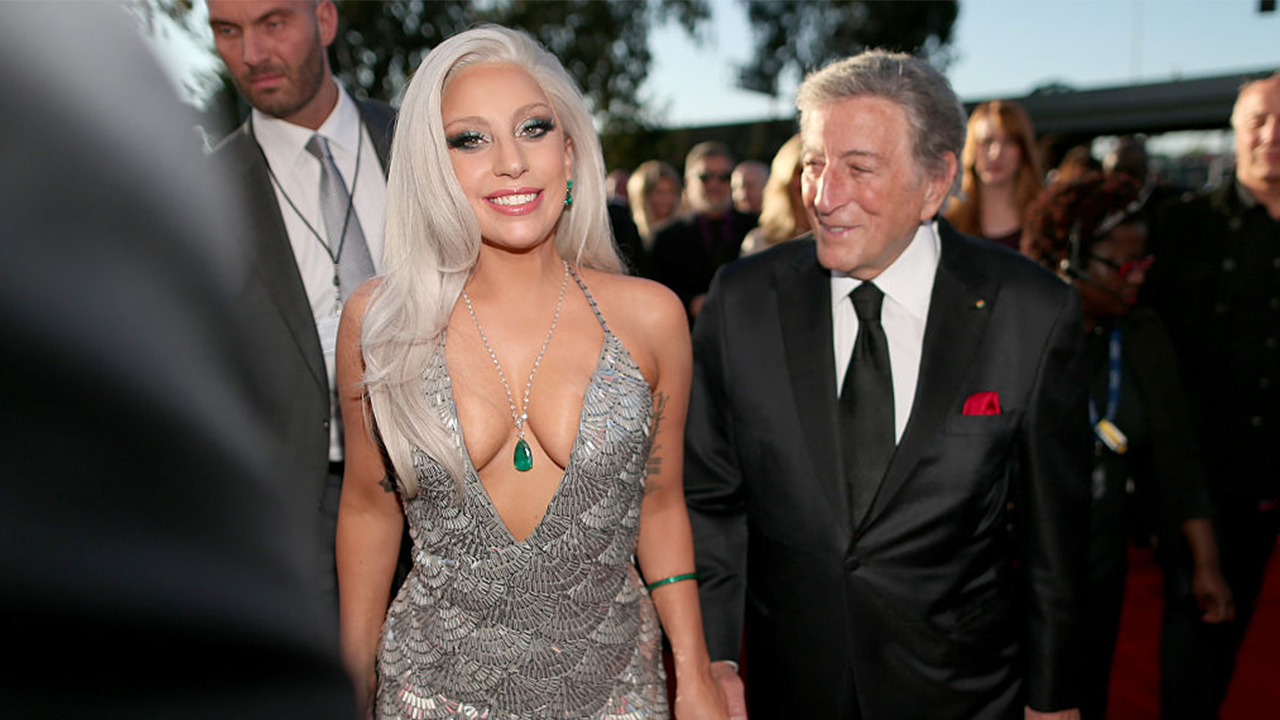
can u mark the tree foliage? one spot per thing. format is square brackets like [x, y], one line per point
[792, 38]
[603, 45]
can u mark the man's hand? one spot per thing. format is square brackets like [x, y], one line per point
[726, 673]
[1213, 595]
[1072, 714]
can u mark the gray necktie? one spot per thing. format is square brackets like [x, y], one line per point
[341, 226]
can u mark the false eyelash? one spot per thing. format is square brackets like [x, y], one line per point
[542, 124]
[464, 139]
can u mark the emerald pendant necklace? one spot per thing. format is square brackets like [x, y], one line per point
[523, 457]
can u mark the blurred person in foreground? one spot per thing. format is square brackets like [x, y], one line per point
[153, 561]
[310, 163]
[520, 403]
[689, 250]
[1217, 288]
[1092, 232]
[783, 217]
[872, 409]
[1001, 173]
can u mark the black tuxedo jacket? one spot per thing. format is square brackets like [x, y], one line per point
[956, 595]
[289, 354]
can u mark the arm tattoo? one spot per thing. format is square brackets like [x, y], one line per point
[654, 463]
[388, 485]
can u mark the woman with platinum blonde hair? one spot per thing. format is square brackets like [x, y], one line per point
[521, 403]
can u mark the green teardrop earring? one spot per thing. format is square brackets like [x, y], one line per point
[568, 192]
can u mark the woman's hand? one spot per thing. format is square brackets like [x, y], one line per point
[702, 697]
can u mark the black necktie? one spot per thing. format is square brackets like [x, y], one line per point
[866, 403]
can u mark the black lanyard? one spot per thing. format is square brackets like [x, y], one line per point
[351, 196]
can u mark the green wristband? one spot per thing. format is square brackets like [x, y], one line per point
[673, 579]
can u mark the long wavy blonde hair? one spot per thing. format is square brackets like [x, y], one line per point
[639, 186]
[782, 213]
[433, 240]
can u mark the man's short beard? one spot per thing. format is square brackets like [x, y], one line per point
[309, 77]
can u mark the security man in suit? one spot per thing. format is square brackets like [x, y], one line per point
[887, 445]
[311, 162]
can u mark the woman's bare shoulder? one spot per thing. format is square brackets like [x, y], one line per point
[641, 305]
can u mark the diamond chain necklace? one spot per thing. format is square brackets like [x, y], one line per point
[523, 457]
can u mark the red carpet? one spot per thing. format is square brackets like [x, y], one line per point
[1135, 678]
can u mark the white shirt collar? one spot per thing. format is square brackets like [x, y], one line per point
[283, 142]
[908, 281]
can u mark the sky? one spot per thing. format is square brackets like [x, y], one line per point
[1003, 48]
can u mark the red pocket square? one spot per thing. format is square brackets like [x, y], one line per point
[983, 403]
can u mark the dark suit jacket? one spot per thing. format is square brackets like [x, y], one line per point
[290, 355]
[1168, 463]
[931, 605]
[1215, 288]
[685, 261]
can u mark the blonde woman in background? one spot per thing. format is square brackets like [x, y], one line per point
[1002, 174]
[654, 190]
[782, 215]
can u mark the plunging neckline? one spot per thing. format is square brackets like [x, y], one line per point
[473, 471]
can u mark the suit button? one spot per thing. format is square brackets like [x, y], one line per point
[852, 563]
[325, 424]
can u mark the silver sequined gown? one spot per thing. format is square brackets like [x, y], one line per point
[556, 626]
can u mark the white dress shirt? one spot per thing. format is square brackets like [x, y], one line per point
[907, 285]
[296, 174]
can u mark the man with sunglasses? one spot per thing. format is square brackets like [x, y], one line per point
[1217, 288]
[689, 251]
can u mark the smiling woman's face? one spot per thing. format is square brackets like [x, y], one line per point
[508, 152]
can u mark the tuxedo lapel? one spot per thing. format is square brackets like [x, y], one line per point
[804, 307]
[959, 309]
[270, 254]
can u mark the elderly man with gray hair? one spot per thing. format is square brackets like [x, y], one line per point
[887, 444]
